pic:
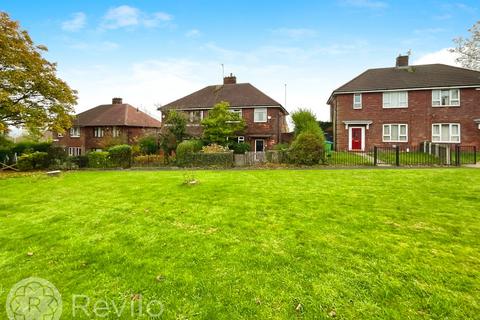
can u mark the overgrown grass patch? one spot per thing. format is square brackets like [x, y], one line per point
[281, 244]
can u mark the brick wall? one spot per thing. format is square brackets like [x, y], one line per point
[272, 128]
[419, 116]
[87, 141]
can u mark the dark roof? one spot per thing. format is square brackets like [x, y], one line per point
[238, 95]
[116, 115]
[421, 76]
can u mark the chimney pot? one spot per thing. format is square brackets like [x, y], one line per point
[231, 79]
[117, 101]
[402, 61]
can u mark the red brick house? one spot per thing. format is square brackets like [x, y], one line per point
[104, 125]
[265, 117]
[407, 105]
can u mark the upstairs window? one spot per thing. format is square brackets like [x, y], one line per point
[357, 101]
[446, 98]
[75, 132]
[395, 133]
[446, 132]
[397, 99]
[98, 132]
[260, 115]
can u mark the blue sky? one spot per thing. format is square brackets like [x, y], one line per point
[153, 52]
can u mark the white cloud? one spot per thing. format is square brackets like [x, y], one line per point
[127, 16]
[428, 31]
[369, 4]
[76, 23]
[193, 33]
[294, 33]
[441, 56]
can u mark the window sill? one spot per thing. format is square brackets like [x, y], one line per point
[447, 142]
[394, 141]
[74, 136]
[260, 121]
[395, 107]
[449, 106]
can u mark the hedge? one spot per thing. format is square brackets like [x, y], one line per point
[97, 159]
[31, 161]
[120, 156]
[202, 159]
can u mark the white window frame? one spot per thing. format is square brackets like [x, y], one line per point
[357, 104]
[437, 101]
[387, 97]
[74, 151]
[240, 139]
[389, 134]
[59, 135]
[74, 132]
[257, 111]
[98, 132]
[115, 132]
[439, 135]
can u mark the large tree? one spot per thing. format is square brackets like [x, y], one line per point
[469, 49]
[31, 94]
[221, 124]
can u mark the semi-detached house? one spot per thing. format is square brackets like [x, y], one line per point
[407, 105]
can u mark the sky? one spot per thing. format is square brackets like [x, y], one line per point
[153, 52]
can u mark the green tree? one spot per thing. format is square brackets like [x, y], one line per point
[173, 132]
[469, 49]
[148, 144]
[31, 95]
[305, 121]
[221, 124]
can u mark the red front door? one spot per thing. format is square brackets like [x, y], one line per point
[356, 138]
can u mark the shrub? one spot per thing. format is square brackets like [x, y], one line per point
[79, 161]
[148, 145]
[214, 148]
[307, 148]
[28, 147]
[221, 159]
[184, 152]
[120, 156]
[30, 161]
[97, 159]
[239, 147]
[149, 160]
[281, 146]
[57, 153]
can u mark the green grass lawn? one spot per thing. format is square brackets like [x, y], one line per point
[254, 244]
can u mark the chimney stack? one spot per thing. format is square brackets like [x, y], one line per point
[117, 101]
[231, 79]
[402, 61]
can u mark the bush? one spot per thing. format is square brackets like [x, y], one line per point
[79, 161]
[239, 147]
[28, 147]
[57, 154]
[148, 145]
[307, 149]
[120, 156]
[221, 159]
[281, 146]
[31, 161]
[149, 160]
[214, 148]
[97, 159]
[184, 152]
